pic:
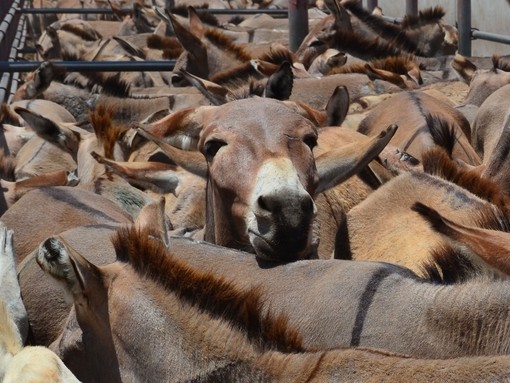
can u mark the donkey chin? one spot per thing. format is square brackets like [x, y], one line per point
[292, 249]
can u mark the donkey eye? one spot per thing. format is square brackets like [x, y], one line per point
[310, 141]
[212, 147]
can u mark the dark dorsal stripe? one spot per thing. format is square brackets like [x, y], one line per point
[7, 166]
[363, 47]
[204, 290]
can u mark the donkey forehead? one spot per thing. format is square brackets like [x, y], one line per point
[256, 119]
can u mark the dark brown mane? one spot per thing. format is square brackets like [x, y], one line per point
[235, 76]
[427, 16]
[106, 132]
[437, 162]
[162, 43]
[111, 85]
[443, 134]
[171, 54]
[365, 48]
[7, 166]
[7, 116]
[212, 294]
[85, 35]
[225, 44]
[395, 64]
[389, 31]
[448, 266]
[278, 55]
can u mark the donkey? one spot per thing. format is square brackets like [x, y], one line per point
[378, 306]
[149, 303]
[265, 204]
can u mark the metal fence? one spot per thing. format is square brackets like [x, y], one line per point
[14, 24]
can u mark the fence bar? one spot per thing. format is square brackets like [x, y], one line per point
[412, 7]
[371, 4]
[91, 66]
[491, 37]
[298, 23]
[464, 26]
[107, 11]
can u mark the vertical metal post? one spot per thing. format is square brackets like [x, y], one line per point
[412, 7]
[371, 4]
[464, 26]
[298, 23]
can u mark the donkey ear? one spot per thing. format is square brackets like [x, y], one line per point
[153, 219]
[180, 129]
[192, 161]
[156, 176]
[279, 85]
[189, 41]
[336, 166]
[216, 94]
[80, 277]
[49, 130]
[338, 106]
[195, 23]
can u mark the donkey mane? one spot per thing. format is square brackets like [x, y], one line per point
[437, 162]
[235, 76]
[162, 43]
[442, 132]
[7, 166]
[448, 266]
[106, 132]
[499, 63]
[361, 46]
[87, 36]
[392, 32]
[111, 85]
[214, 295]
[424, 17]
[396, 64]
[278, 55]
[225, 44]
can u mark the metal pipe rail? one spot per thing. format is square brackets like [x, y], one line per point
[91, 66]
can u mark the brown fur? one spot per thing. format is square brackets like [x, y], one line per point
[437, 162]
[226, 44]
[213, 294]
[159, 42]
[395, 64]
[278, 55]
[448, 266]
[389, 31]
[235, 76]
[79, 32]
[427, 16]
[171, 54]
[205, 17]
[106, 132]
[362, 47]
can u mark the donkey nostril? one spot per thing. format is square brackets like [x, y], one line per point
[307, 205]
[269, 203]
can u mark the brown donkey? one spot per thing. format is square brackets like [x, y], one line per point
[190, 325]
